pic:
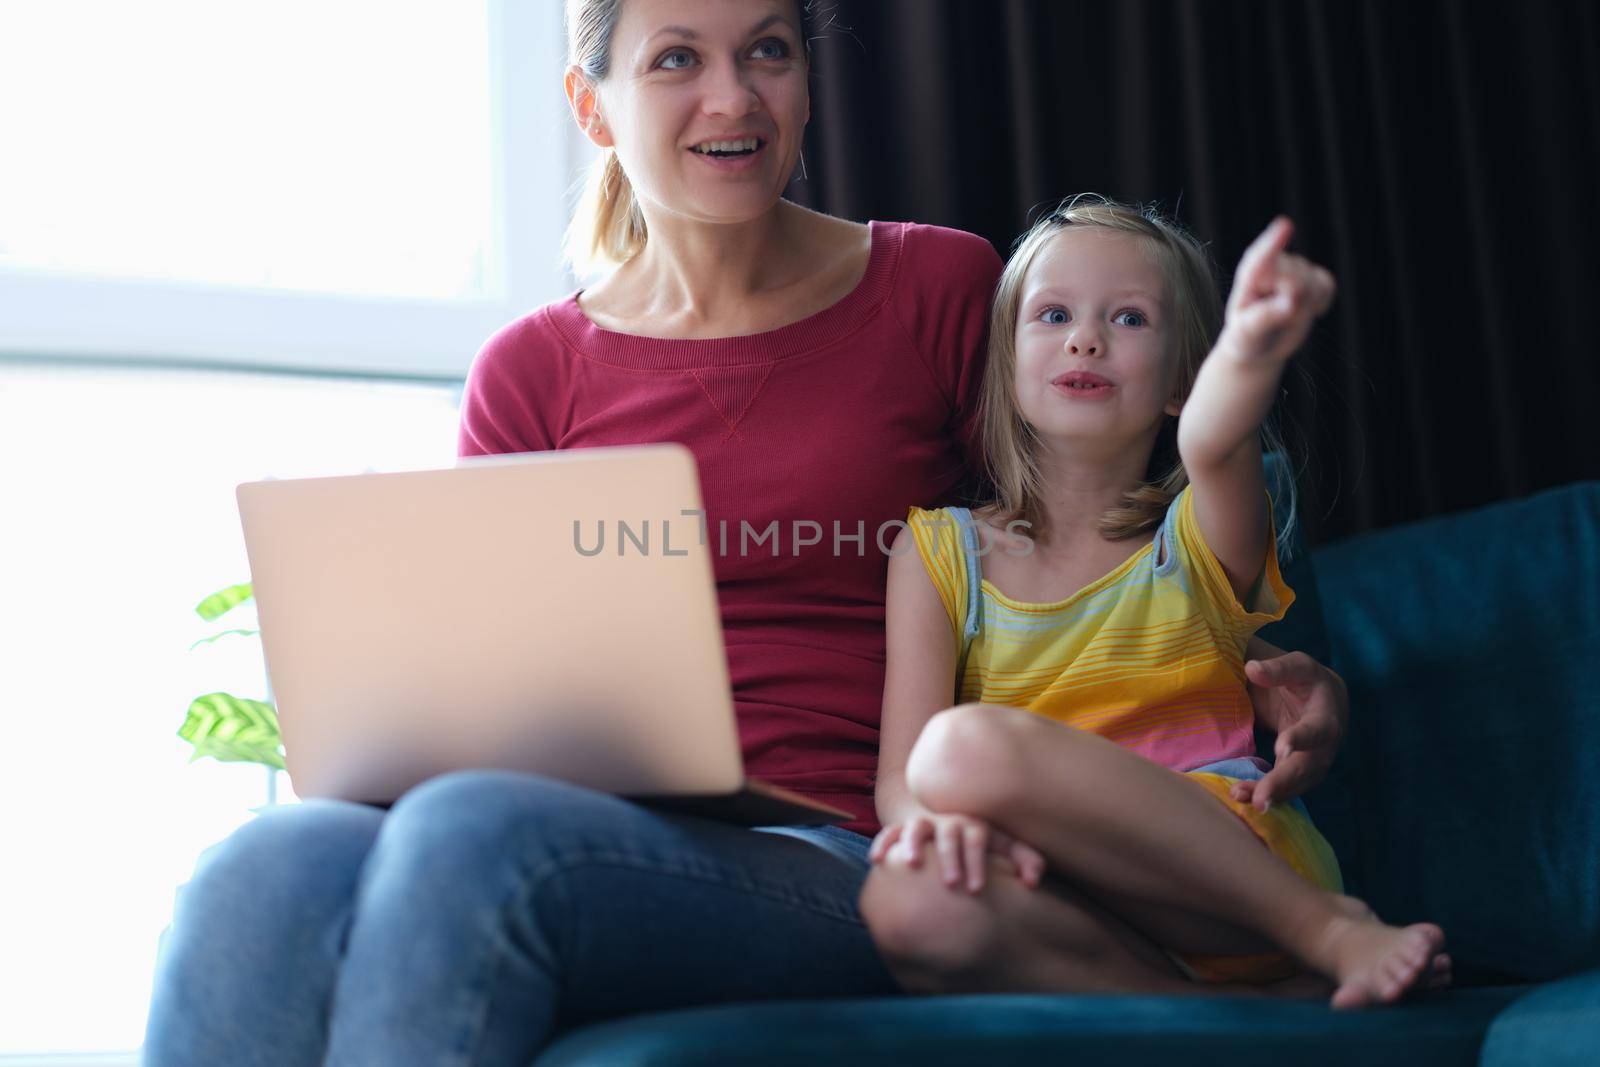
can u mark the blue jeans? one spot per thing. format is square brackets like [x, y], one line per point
[483, 913]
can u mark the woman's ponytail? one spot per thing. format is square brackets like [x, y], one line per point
[607, 227]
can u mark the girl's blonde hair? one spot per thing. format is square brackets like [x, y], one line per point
[607, 227]
[1010, 444]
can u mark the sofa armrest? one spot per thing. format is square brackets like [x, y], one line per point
[1556, 1025]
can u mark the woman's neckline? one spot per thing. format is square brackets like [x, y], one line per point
[829, 324]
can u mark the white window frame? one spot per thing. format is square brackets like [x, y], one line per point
[537, 155]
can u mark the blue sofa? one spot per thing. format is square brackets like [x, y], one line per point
[1468, 793]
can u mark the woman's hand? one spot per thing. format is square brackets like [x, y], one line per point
[1276, 297]
[962, 844]
[1307, 706]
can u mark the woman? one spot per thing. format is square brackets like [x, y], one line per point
[825, 375]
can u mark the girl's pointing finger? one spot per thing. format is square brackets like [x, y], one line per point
[1258, 261]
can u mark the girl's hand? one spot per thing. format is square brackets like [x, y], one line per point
[1305, 704]
[1276, 297]
[961, 843]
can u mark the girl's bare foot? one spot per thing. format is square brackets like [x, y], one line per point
[1374, 963]
[1308, 985]
[1439, 974]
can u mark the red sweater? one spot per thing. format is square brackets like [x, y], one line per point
[852, 416]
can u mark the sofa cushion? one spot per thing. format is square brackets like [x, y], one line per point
[962, 1030]
[1557, 1025]
[1470, 644]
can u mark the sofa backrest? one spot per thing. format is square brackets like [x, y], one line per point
[1301, 628]
[1471, 645]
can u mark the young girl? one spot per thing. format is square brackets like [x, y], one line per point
[1092, 622]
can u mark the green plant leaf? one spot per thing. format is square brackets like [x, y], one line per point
[233, 729]
[222, 601]
[225, 633]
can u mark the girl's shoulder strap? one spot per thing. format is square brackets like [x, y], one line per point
[1166, 554]
[974, 569]
[971, 561]
[940, 540]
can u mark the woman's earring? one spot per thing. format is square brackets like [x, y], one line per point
[802, 164]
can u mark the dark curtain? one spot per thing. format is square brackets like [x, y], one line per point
[1442, 158]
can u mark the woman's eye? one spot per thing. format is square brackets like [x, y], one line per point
[1130, 318]
[1055, 316]
[667, 60]
[776, 48]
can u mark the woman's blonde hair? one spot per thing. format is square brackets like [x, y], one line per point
[1010, 444]
[607, 227]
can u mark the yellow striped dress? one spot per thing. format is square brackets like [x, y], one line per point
[1150, 656]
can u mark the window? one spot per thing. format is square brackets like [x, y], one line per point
[351, 185]
[118, 489]
[236, 240]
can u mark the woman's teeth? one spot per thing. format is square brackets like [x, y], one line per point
[727, 148]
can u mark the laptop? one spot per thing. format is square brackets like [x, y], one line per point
[549, 612]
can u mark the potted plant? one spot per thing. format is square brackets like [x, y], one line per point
[225, 727]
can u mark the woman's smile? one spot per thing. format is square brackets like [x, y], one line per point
[732, 155]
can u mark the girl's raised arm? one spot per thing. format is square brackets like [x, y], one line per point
[1276, 297]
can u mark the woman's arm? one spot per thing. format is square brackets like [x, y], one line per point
[509, 385]
[1276, 297]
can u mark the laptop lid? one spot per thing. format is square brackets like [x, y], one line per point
[552, 612]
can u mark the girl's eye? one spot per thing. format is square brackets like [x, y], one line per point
[1130, 318]
[667, 60]
[1050, 313]
[778, 48]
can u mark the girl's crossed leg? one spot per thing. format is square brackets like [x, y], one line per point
[1157, 860]
[1012, 938]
